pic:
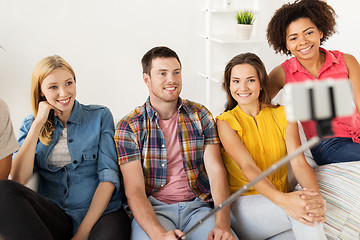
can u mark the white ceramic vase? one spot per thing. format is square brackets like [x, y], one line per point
[243, 31]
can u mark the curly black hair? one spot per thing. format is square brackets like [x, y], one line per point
[320, 13]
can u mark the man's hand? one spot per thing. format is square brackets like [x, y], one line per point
[170, 235]
[220, 233]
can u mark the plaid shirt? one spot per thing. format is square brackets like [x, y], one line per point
[138, 137]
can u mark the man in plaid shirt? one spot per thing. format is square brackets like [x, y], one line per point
[169, 156]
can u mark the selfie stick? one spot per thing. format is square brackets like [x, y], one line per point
[311, 143]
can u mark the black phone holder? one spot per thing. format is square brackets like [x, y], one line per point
[323, 126]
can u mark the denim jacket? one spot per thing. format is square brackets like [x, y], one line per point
[93, 160]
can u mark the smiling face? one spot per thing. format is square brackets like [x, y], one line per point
[303, 38]
[59, 89]
[164, 81]
[245, 86]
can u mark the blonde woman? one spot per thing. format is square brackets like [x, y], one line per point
[71, 146]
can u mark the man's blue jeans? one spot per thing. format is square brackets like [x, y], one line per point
[336, 150]
[180, 216]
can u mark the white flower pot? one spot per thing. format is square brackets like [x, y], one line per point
[243, 31]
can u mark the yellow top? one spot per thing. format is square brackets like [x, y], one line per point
[265, 141]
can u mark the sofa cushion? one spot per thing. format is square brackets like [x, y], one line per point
[340, 186]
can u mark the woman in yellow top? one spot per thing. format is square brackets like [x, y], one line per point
[254, 135]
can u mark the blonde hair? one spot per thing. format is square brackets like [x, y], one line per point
[41, 71]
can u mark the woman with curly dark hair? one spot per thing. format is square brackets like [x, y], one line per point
[299, 29]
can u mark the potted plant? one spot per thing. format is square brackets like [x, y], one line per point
[245, 19]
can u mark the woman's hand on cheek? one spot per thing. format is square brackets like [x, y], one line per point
[44, 111]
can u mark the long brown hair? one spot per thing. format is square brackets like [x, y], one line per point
[253, 60]
[41, 71]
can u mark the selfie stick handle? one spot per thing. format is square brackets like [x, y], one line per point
[312, 142]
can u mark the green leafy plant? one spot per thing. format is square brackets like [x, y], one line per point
[245, 17]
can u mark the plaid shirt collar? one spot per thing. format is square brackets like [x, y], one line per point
[151, 112]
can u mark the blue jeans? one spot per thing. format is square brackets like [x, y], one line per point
[182, 216]
[336, 150]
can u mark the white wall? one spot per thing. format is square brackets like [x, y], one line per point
[105, 40]
[102, 40]
[347, 38]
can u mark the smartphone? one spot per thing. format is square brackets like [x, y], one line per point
[318, 100]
